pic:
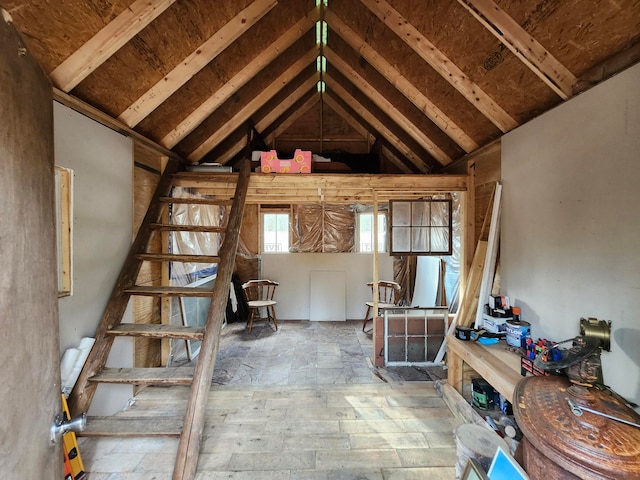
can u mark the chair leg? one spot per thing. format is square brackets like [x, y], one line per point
[366, 318]
[251, 315]
[273, 317]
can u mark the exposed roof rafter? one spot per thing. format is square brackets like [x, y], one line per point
[290, 120]
[384, 104]
[524, 46]
[195, 62]
[139, 66]
[350, 119]
[260, 62]
[443, 65]
[250, 108]
[379, 126]
[437, 116]
[287, 103]
[106, 42]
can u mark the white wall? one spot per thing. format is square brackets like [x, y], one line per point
[102, 162]
[293, 271]
[570, 243]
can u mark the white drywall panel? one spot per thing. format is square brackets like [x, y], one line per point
[570, 243]
[327, 296]
[102, 162]
[293, 271]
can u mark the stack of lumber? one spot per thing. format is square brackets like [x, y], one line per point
[481, 272]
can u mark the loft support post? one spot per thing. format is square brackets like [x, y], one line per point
[189, 445]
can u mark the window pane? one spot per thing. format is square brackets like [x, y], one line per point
[365, 232]
[382, 232]
[420, 239]
[440, 214]
[401, 214]
[401, 239]
[275, 232]
[440, 239]
[420, 214]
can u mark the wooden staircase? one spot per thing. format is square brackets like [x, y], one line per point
[94, 372]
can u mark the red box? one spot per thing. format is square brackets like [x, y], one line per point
[300, 163]
[527, 366]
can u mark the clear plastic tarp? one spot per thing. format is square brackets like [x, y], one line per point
[192, 311]
[322, 228]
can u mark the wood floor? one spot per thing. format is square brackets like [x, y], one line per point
[302, 403]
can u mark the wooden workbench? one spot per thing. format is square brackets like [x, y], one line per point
[495, 363]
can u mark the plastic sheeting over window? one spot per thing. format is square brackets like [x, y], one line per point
[322, 229]
[452, 262]
[194, 243]
[190, 311]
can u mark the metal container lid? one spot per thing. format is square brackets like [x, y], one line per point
[589, 446]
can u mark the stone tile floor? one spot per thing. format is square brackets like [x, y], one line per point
[302, 403]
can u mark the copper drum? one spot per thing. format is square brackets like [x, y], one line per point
[561, 445]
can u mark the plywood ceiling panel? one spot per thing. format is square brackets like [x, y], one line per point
[429, 80]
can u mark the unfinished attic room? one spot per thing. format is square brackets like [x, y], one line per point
[320, 239]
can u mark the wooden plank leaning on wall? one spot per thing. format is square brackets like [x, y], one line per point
[483, 169]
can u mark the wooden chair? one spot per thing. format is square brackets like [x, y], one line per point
[388, 297]
[259, 294]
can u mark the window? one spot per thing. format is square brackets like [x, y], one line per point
[365, 232]
[275, 232]
[421, 227]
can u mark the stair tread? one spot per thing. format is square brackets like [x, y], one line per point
[195, 201]
[157, 331]
[146, 376]
[170, 291]
[133, 426]
[172, 257]
[188, 228]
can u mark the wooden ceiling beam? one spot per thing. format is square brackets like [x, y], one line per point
[286, 104]
[441, 64]
[404, 86]
[379, 126]
[350, 119]
[289, 120]
[539, 60]
[388, 107]
[393, 158]
[259, 63]
[320, 188]
[258, 101]
[195, 62]
[106, 42]
[232, 151]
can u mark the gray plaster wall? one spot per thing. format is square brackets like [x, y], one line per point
[102, 162]
[570, 242]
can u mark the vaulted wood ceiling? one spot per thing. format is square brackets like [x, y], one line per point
[422, 83]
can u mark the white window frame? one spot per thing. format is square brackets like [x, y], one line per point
[263, 215]
[383, 246]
